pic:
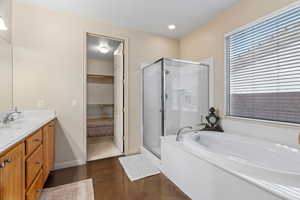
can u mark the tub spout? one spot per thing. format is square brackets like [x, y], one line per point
[179, 132]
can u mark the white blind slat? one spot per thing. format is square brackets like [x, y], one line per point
[281, 35]
[266, 24]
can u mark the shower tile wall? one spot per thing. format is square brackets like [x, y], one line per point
[186, 91]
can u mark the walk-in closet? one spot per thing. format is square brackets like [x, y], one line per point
[104, 76]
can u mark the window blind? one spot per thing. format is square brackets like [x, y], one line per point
[263, 69]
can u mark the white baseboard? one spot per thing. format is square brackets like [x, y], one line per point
[67, 164]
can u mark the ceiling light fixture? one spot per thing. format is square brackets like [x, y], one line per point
[171, 27]
[103, 49]
[2, 24]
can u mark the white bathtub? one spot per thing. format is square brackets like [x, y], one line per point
[271, 167]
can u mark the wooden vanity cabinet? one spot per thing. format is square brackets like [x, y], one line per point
[34, 192]
[34, 164]
[12, 174]
[25, 167]
[33, 141]
[48, 148]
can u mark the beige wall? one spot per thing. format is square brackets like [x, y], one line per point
[100, 66]
[49, 57]
[208, 41]
[100, 93]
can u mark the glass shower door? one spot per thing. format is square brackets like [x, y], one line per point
[152, 107]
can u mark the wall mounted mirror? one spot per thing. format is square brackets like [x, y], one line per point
[5, 19]
[6, 67]
[5, 75]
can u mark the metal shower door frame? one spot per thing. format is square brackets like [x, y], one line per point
[162, 109]
[163, 91]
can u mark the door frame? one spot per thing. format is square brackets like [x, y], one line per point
[125, 42]
[141, 99]
[210, 62]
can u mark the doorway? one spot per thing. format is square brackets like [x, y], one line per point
[104, 97]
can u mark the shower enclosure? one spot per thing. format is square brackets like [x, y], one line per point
[175, 94]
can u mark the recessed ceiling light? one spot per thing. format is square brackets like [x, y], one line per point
[2, 24]
[103, 49]
[171, 27]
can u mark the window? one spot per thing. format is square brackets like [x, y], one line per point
[263, 69]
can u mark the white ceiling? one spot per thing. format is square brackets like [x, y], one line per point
[94, 42]
[150, 16]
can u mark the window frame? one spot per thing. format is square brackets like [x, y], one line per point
[227, 67]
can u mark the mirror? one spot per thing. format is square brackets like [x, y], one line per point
[6, 75]
[6, 68]
[5, 14]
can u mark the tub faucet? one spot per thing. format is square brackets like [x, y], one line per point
[179, 132]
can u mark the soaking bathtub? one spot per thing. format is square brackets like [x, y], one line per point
[214, 166]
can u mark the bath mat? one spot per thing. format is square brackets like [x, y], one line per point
[81, 190]
[138, 167]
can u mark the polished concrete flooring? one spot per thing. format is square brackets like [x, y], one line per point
[101, 147]
[111, 183]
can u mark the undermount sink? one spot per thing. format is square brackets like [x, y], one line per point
[26, 123]
[21, 122]
[17, 123]
[11, 126]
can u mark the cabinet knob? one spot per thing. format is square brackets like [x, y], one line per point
[2, 165]
[38, 163]
[37, 140]
[8, 160]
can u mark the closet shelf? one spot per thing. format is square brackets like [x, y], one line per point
[96, 78]
[101, 104]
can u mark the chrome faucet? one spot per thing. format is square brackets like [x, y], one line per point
[8, 117]
[179, 132]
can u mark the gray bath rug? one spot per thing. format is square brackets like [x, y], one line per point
[138, 167]
[81, 190]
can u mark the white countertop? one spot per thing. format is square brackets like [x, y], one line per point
[29, 122]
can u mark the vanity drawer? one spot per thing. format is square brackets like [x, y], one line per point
[33, 164]
[34, 141]
[36, 188]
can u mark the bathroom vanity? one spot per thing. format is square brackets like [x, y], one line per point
[26, 155]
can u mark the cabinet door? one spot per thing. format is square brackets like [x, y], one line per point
[51, 145]
[48, 146]
[36, 188]
[13, 174]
